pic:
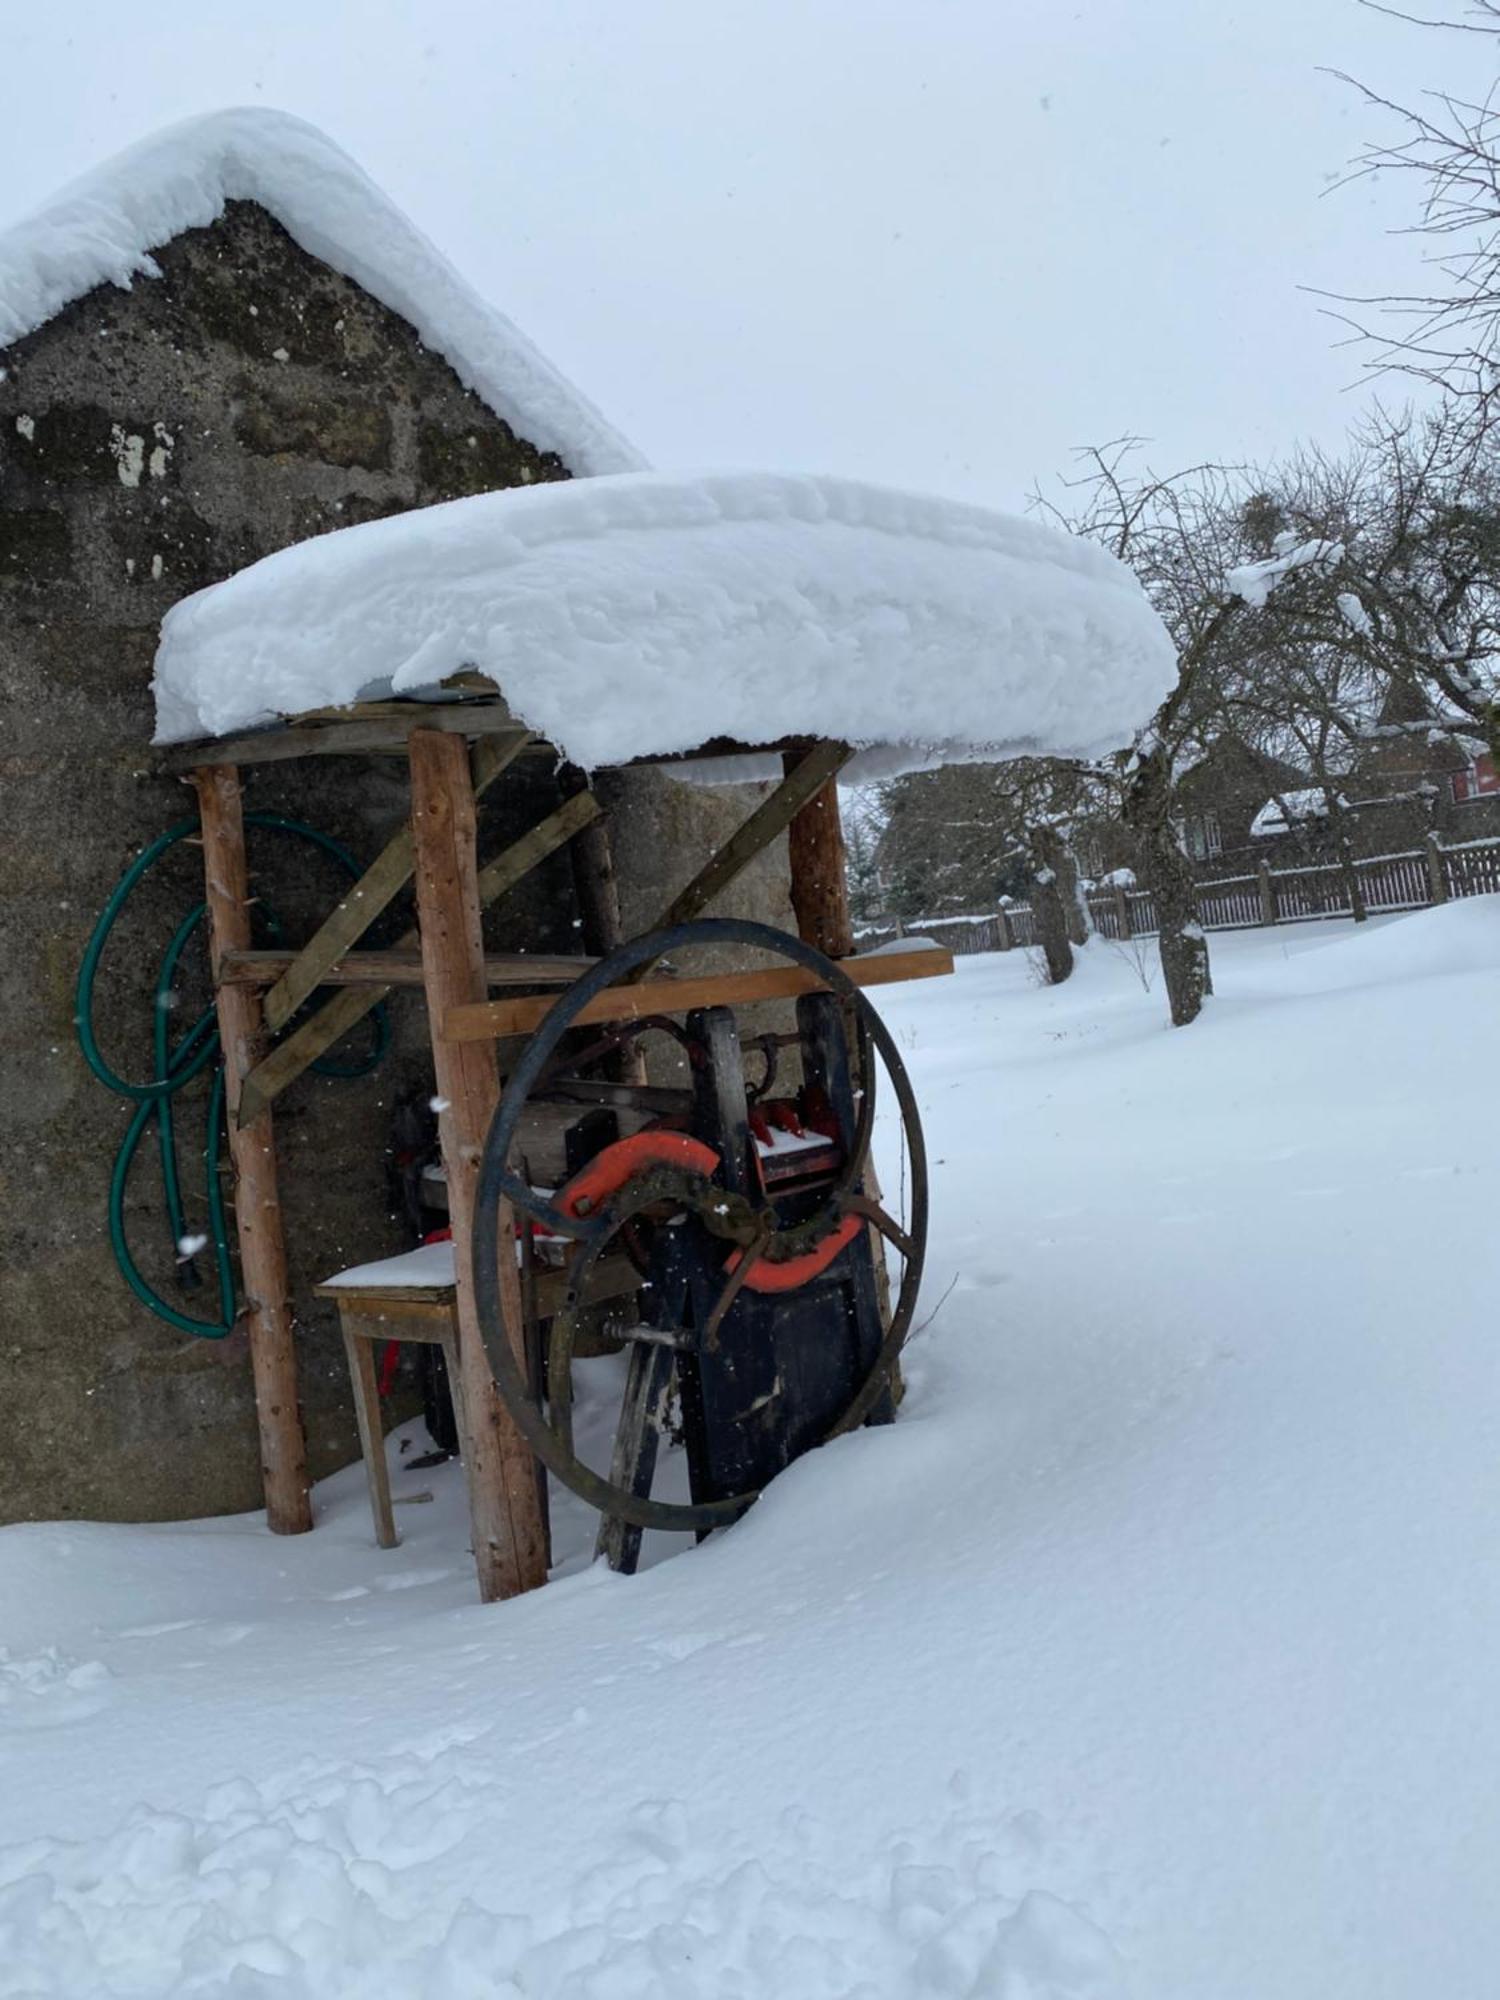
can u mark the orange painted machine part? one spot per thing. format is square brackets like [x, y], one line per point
[608, 1172]
[786, 1277]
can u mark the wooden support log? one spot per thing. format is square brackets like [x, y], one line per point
[820, 899]
[820, 881]
[252, 1149]
[384, 879]
[597, 888]
[492, 1020]
[808, 771]
[510, 1545]
[345, 1010]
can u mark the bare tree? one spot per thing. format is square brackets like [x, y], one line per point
[1450, 147]
[1181, 534]
[1412, 599]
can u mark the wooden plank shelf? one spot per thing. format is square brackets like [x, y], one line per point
[400, 968]
[488, 1020]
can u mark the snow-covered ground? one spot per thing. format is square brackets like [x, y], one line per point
[1154, 1652]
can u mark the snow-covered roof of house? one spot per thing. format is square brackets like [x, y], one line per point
[648, 614]
[104, 227]
[1289, 809]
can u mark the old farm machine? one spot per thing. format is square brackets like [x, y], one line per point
[746, 1201]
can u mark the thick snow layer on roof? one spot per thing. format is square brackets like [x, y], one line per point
[645, 615]
[104, 227]
[1289, 809]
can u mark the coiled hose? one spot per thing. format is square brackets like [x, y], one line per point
[176, 1065]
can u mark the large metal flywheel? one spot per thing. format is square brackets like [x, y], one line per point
[743, 1210]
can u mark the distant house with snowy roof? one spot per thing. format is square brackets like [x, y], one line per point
[222, 343]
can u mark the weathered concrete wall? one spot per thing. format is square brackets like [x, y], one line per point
[152, 442]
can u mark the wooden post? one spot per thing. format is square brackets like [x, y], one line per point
[510, 1547]
[1267, 893]
[1437, 881]
[597, 889]
[820, 899]
[252, 1149]
[820, 883]
[1004, 935]
[1122, 910]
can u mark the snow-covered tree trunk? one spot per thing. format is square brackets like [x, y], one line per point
[1051, 901]
[1169, 877]
[1080, 924]
[1343, 848]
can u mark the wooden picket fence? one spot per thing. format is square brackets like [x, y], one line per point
[1435, 873]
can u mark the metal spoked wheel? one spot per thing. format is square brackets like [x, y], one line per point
[682, 1182]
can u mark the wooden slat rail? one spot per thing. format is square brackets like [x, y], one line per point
[384, 879]
[367, 727]
[490, 1020]
[613, 1277]
[345, 1010]
[402, 968]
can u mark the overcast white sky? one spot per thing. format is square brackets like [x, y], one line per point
[937, 243]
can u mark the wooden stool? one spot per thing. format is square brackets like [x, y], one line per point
[414, 1297]
[372, 1311]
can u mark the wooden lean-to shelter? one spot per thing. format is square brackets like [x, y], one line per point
[297, 358]
[733, 625]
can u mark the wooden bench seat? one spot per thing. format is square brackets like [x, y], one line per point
[413, 1297]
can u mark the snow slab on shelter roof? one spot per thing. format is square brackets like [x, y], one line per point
[647, 614]
[104, 227]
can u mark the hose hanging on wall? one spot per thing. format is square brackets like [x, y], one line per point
[176, 1065]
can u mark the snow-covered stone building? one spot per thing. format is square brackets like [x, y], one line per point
[221, 343]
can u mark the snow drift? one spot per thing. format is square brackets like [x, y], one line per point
[647, 614]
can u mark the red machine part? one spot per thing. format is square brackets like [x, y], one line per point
[615, 1164]
[794, 1271]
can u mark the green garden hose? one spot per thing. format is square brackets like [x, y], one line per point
[176, 1066]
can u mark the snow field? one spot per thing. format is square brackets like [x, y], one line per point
[1150, 1655]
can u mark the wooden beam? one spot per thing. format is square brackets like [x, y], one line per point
[806, 775]
[403, 968]
[489, 1020]
[252, 1149]
[367, 727]
[384, 879]
[596, 886]
[510, 1543]
[346, 1010]
[518, 860]
[819, 870]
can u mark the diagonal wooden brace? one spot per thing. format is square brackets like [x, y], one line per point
[384, 879]
[348, 1007]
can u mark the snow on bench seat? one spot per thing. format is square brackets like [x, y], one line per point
[430, 1266]
[643, 615]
